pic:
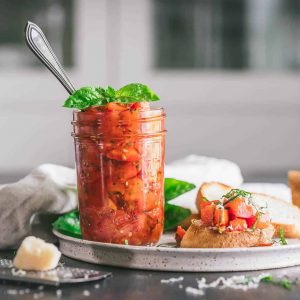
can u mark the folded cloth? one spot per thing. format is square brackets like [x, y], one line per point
[47, 189]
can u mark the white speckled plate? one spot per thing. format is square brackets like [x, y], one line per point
[165, 257]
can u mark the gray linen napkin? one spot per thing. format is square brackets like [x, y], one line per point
[48, 189]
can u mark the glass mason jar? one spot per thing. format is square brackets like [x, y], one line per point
[120, 155]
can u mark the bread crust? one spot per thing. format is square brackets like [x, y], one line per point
[200, 236]
[294, 182]
[204, 186]
[290, 231]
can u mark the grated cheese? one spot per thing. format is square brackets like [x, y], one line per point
[58, 293]
[86, 293]
[18, 272]
[12, 292]
[172, 280]
[192, 291]
[241, 282]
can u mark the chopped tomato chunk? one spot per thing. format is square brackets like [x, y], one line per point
[180, 232]
[240, 209]
[237, 225]
[221, 216]
[207, 214]
[259, 221]
[113, 106]
[140, 105]
[204, 202]
[124, 154]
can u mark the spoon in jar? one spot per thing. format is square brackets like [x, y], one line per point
[39, 45]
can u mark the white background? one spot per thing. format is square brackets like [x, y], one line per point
[252, 118]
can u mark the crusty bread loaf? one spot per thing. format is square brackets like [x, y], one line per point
[200, 236]
[294, 182]
[283, 214]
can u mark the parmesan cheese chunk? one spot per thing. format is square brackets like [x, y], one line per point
[35, 254]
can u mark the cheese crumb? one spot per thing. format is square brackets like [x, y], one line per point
[192, 291]
[12, 292]
[172, 280]
[86, 293]
[35, 254]
[241, 282]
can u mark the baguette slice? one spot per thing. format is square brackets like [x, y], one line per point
[200, 236]
[283, 214]
[294, 182]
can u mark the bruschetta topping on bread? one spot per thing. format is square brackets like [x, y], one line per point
[228, 220]
[234, 211]
[283, 215]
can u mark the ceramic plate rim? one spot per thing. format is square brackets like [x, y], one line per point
[191, 250]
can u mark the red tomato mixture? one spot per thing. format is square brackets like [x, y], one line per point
[120, 170]
[233, 214]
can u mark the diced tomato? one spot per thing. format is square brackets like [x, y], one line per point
[207, 214]
[94, 109]
[260, 220]
[123, 154]
[140, 105]
[180, 232]
[240, 209]
[156, 232]
[264, 244]
[204, 202]
[120, 171]
[237, 225]
[221, 216]
[134, 189]
[113, 106]
[151, 200]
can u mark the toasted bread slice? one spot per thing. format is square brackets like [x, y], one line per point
[294, 182]
[200, 236]
[283, 214]
[211, 191]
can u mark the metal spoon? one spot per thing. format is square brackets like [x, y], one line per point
[39, 45]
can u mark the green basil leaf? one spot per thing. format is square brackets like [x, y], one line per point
[175, 188]
[87, 97]
[282, 239]
[69, 224]
[135, 92]
[97, 96]
[110, 92]
[174, 215]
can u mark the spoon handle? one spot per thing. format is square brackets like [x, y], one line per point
[39, 45]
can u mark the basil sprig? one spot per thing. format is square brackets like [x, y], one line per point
[97, 96]
[68, 224]
[175, 214]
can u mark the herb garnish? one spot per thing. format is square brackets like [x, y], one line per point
[257, 220]
[98, 96]
[235, 193]
[284, 282]
[282, 239]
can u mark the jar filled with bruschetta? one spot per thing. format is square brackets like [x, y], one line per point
[120, 150]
